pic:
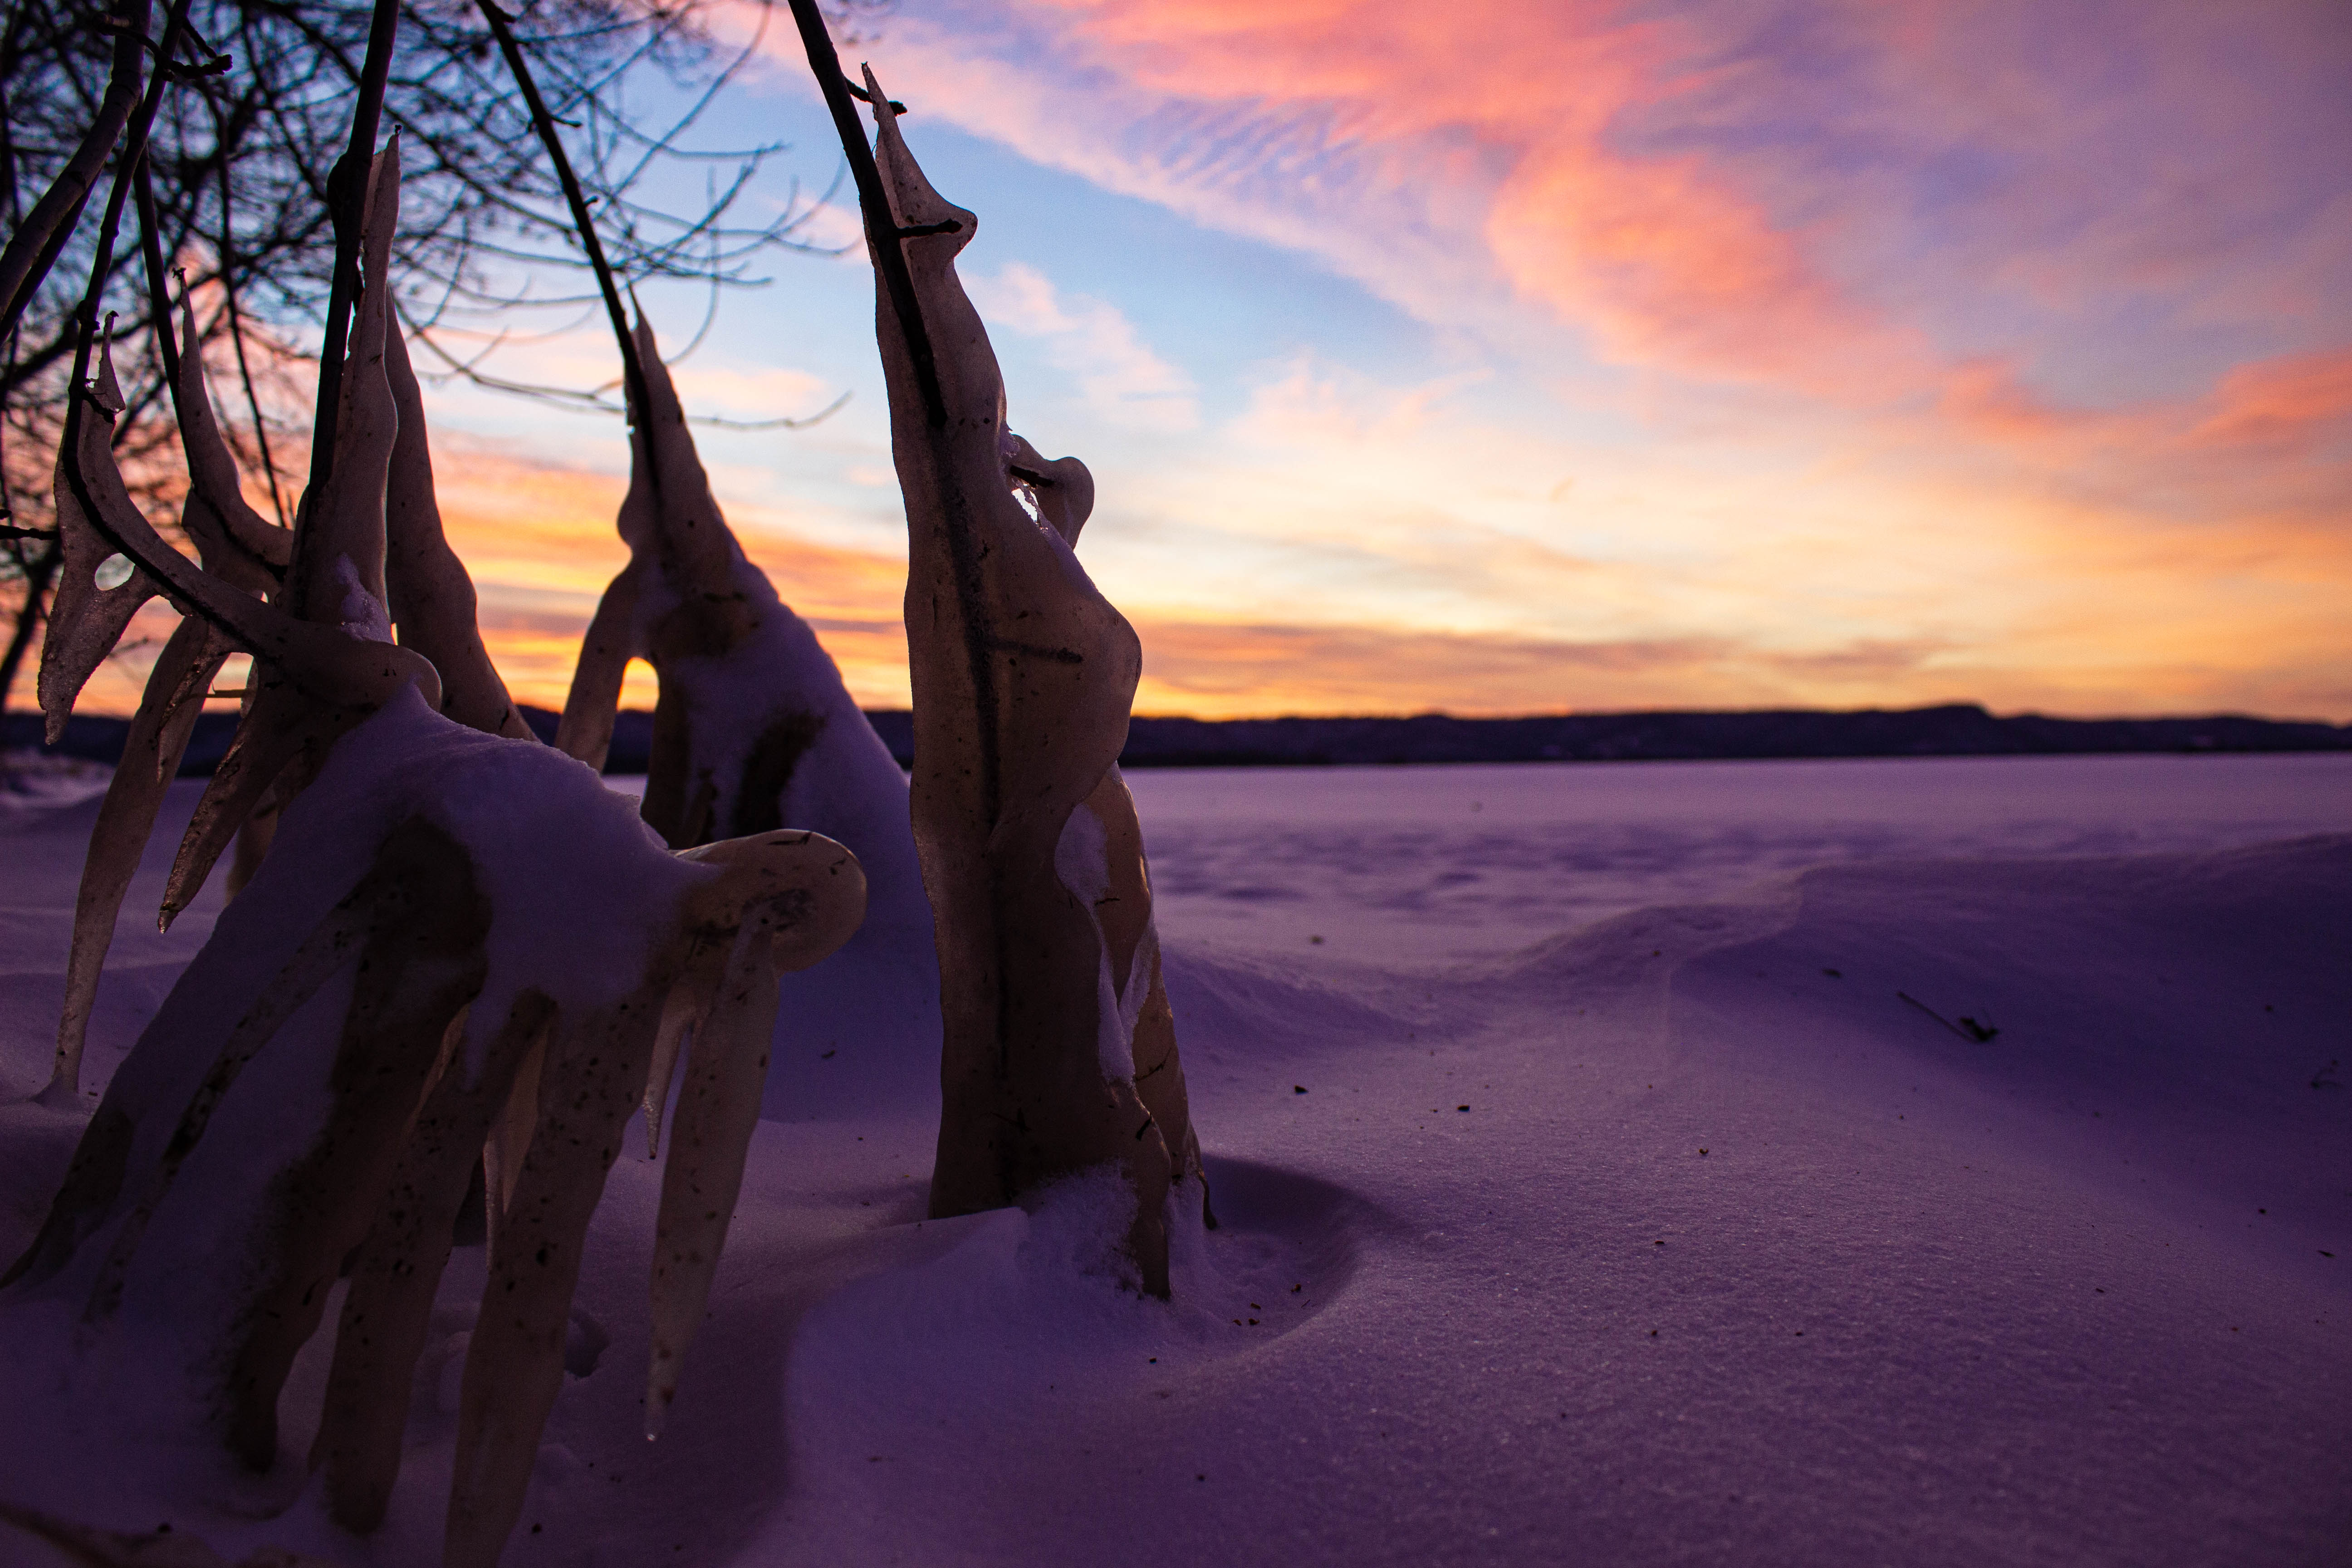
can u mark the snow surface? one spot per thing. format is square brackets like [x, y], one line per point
[2077, 1294]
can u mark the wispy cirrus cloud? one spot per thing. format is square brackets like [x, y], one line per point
[1109, 365]
[1838, 198]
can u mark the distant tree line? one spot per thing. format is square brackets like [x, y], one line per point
[1953, 731]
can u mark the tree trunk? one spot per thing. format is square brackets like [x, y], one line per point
[39, 574]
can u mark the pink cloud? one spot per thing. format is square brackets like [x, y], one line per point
[2281, 406]
[1659, 259]
[1835, 199]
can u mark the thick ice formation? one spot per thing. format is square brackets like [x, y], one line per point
[1060, 1050]
[461, 950]
[428, 591]
[753, 728]
[317, 1090]
[336, 579]
[311, 681]
[372, 558]
[234, 545]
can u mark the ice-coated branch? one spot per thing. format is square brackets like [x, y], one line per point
[375, 554]
[348, 185]
[633, 371]
[752, 727]
[429, 593]
[334, 587]
[255, 1144]
[1059, 1047]
[885, 237]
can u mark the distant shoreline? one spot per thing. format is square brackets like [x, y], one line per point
[1957, 729]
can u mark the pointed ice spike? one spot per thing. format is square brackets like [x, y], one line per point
[332, 944]
[276, 728]
[585, 731]
[316, 683]
[239, 548]
[430, 594]
[718, 1108]
[514, 1365]
[790, 899]
[151, 755]
[695, 544]
[682, 562]
[336, 576]
[388, 1310]
[509, 1144]
[186, 704]
[688, 594]
[233, 540]
[682, 1015]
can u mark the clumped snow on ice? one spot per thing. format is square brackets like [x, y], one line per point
[1673, 1236]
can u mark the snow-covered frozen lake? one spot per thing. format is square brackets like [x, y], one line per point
[1431, 864]
[1599, 1190]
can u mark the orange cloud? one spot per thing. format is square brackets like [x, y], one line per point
[2269, 447]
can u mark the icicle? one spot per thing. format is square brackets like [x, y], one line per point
[682, 1015]
[431, 596]
[717, 1111]
[151, 755]
[792, 898]
[333, 664]
[337, 578]
[585, 731]
[514, 1363]
[421, 964]
[508, 1143]
[388, 1308]
[234, 542]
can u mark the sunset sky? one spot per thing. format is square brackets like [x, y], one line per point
[1507, 357]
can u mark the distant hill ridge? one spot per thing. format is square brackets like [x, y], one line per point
[1956, 730]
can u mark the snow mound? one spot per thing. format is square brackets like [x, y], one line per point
[1661, 1244]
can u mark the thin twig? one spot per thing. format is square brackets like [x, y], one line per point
[882, 232]
[1976, 1034]
[639, 393]
[590, 402]
[35, 246]
[159, 292]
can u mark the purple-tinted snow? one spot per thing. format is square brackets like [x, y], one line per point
[2058, 1296]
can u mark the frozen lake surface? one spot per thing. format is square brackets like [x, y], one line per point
[1405, 865]
[1697, 1234]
